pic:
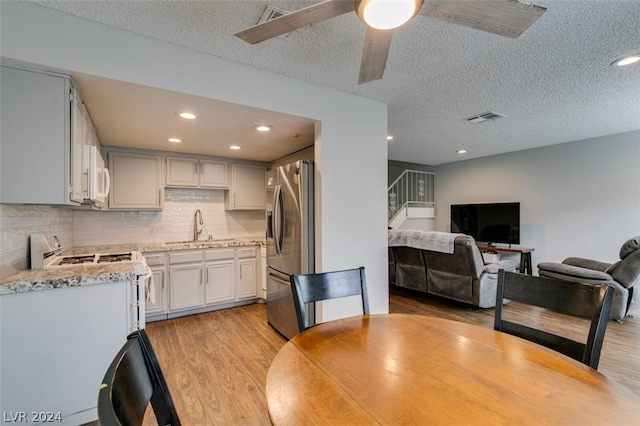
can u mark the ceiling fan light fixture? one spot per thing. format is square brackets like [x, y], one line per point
[387, 14]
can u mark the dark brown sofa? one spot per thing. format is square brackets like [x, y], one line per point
[459, 275]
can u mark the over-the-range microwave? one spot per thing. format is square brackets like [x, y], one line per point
[96, 184]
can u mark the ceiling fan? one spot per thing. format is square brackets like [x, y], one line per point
[508, 18]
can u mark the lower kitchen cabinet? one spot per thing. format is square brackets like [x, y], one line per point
[56, 346]
[247, 273]
[185, 280]
[158, 305]
[220, 283]
[194, 281]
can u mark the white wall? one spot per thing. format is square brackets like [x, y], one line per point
[351, 150]
[577, 199]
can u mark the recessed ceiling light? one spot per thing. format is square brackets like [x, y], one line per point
[389, 138]
[627, 60]
[234, 147]
[175, 140]
[461, 151]
[187, 115]
[263, 128]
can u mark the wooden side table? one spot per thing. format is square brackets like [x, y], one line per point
[525, 255]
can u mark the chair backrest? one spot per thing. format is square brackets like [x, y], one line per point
[308, 288]
[134, 379]
[570, 298]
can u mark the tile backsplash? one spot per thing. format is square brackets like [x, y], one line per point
[18, 221]
[79, 228]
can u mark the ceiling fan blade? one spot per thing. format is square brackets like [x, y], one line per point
[374, 54]
[508, 18]
[296, 20]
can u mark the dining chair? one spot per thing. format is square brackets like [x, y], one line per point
[307, 288]
[134, 379]
[571, 298]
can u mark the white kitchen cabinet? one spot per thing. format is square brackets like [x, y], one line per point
[157, 263]
[203, 280]
[41, 161]
[56, 346]
[80, 180]
[247, 273]
[136, 181]
[213, 174]
[185, 280]
[182, 171]
[219, 275]
[247, 190]
[195, 172]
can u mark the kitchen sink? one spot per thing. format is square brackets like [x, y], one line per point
[179, 242]
[217, 240]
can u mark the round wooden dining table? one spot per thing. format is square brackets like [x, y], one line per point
[416, 370]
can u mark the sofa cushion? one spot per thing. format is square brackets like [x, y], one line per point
[573, 271]
[629, 247]
[627, 271]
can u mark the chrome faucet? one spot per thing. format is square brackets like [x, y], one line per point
[197, 231]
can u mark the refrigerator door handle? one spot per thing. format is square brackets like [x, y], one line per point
[278, 219]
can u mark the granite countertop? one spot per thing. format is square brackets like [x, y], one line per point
[67, 276]
[89, 274]
[168, 246]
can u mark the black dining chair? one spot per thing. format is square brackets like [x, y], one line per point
[134, 379]
[307, 288]
[571, 298]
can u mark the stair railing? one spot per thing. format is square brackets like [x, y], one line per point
[413, 188]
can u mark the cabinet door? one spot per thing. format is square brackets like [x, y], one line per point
[185, 286]
[247, 278]
[36, 160]
[57, 344]
[219, 282]
[182, 171]
[247, 187]
[79, 180]
[135, 181]
[160, 305]
[247, 284]
[213, 174]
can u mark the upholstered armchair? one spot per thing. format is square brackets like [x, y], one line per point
[623, 276]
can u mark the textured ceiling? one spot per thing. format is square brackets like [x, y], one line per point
[554, 83]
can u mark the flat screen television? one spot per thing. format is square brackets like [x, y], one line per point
[495, 223]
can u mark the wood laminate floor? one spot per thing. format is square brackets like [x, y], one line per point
[216, 363]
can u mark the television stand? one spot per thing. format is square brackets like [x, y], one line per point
[525, 255]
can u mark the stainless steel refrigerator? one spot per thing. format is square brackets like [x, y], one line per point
[290, 240]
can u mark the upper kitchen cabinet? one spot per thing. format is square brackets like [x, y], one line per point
[41, 163]
[189, 172]
[136, 180]
[247, 191]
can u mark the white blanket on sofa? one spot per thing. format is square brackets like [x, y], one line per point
[425, 240]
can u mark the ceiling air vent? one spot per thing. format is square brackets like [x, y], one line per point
[270, 13]
[484, 117]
